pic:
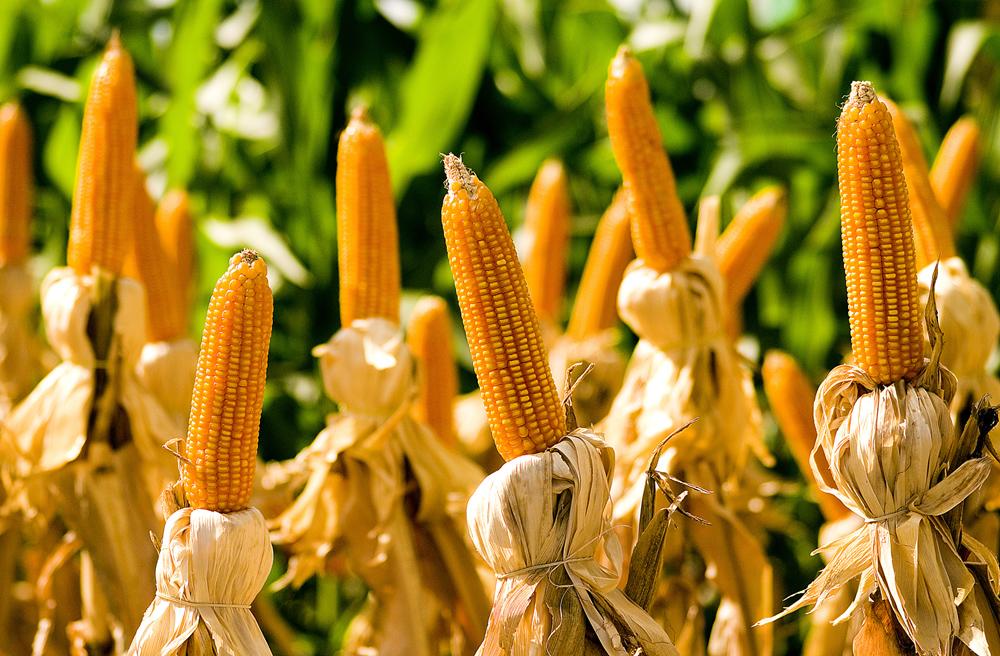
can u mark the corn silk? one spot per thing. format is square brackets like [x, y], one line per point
[383, 490]
[542, 523]
[893, 455]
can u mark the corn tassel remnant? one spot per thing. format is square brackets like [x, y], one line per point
[595, 309]
[547, 220]
[955, 167]
[743, 248]
[174, 226]
[660, 231]
[101, 220]
[221, 446]
[367, 242]
[15, 185]
[879, 258]
[505, 340]
[429, 339]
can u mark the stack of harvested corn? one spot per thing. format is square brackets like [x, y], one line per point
[382, 489]
[543, 521]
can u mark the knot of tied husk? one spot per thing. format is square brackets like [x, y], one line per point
[894, 461]
[543, 524]
[211, 567]
[684, 367]
[593, 393]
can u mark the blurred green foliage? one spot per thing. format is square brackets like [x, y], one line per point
[242, 101]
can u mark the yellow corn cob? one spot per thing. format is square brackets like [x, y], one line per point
[101, 219]
[505, 340]
[659, 227]
[879, 258]
[547, 222]
[746, 243]
[15, 185]
[429, 338]
[791, 395]
[367, 244]
[595, 308]
[173, 224]
[221, 447]
[931, 230]
[955, 167]
[148, 263]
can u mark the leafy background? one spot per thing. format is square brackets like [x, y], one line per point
[242, 101]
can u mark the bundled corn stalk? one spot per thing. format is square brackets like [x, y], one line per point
[895, 459]
[543, 521]
[381, 488]
[90, 435]
[684, 367]
[216, 553]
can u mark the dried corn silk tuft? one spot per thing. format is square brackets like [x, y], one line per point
[543, 524]
[594, 393]
[356, 498]
[211, 567]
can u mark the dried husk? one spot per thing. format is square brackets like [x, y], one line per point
[211, 567]
[20, 364]
[167, 369]
[893, 455]
[380, 483]
[543, 524]
[473, 431]
[594, 393]
[826, 638]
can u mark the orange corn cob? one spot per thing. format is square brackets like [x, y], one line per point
[148, 263]
[101, 219]
[879, 258]
[547, 222]
[659, 226]
[367, 245]
[595, 308]
[746, 243]
[173, 224]
[955, 167]
[505, 340]
[931, 230]
[15, 185]
[429, 339]
[221, 447]
[791, 395]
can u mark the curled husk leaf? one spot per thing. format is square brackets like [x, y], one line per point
[167, 369]
[211, 567]
[379, 482]
[593, 395]
[542, 523]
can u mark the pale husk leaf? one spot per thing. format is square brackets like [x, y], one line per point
[167, 369]
[593, 395]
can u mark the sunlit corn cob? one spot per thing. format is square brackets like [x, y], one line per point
[148, 262]
[791, 396]
[367, 244]
[746, 243]
[931, 230]
[595, 308]
[547, 220]
[511, 362]
[429, 338]
[173, 224]
[659, 227]
[15, 184]
[221, 447]
[879, 258]
[955, 167]
[101, 220]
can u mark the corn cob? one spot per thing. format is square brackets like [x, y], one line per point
[931, 230]
[367, 244]
[429, 339]
[505, 340]
[595, 309]
[746, 243]
[101, 221]
[221, 446]
[791, 395]
[173, 224]
[955, 167]
[879, 258]
[547, 220]
[659, 227]
[15, 185]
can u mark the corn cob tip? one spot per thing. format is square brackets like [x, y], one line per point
[360, 114]
[250, 258]
[862, 93]
[458, 176]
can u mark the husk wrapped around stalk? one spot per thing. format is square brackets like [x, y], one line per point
[385, 491]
